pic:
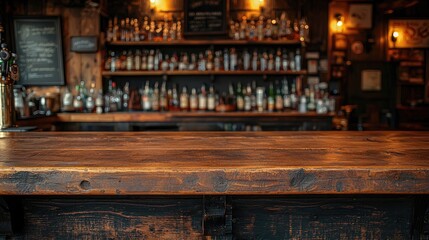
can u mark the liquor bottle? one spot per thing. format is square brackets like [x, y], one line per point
[270, 65]
[67, 101]
[260, 28]
[173, 31]
[157, 59]
[129, 61]
[303, 104]
[113, 62]
[211, 99]
[146, 98]
[163, 97]
[287, 105]
[279, 99]
[268, 30]
[231, 99]
[237, 31]
[112, 99]
[243, 28]
[115, 31]
[311, 105]
[123, 31]
[118, 99]
[144, 30]
[248, 98]
[155, 98]
[217, 60]
[137, 60]
[296, 29]
[285, 61]
[78, 100]
[144, 61]
[271, 98]
[193, 63]
[126, 97]
[179, 31]
[165, 31]
[136, 32]
[231, 29]
[225, 60]
[298, 60]
[201, 62]
[246, 60]
[150, 60]
[209, 63]
[293, 97]
[174, 103]
[253, 96]
[127, 31]
[233, 60]
[252, 31]
[193, 100]
[275, 29]
[165, 63]
[278, 60]
[151, 34]
[264, 60]
[240, 97]
[107, 98]
[99, 102]
[123, 60]
[260, 99]
[292, 63]
[202, 99]
[90, 101]
[184, 99]
[255, 60]
[282, 25]
[174, 62]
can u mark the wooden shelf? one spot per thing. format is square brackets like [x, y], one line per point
[204, 42]
[180, 116]
[181, 73]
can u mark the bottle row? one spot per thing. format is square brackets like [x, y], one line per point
[154, 98]
[261, 28]
[269, 29]
[226, 60]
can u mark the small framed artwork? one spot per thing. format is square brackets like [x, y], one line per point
[371, 80]
[312, 65]
[360, 16]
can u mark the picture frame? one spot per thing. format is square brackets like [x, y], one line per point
[360, 16]
[371, 80]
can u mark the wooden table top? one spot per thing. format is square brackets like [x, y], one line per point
[196, 163]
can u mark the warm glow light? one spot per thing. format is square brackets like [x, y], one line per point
[395, 34]
[340, 23]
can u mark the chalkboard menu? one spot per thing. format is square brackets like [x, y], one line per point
[39, 45]
[84, 44]
[206, 17]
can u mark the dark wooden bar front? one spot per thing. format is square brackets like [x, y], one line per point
[266, 185]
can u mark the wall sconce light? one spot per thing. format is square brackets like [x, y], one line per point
[340, 22]
[152, 5]
[394, 36]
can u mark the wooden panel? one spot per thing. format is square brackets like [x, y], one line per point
[112, 218]
[322, 218]
[214, 163]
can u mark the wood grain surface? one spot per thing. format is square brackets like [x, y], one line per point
[198, 163]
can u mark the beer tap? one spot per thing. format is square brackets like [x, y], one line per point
[9, 73]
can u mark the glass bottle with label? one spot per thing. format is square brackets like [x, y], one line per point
[193, 100]
[155, 98]
[184, 99]
[202, 99]
[248, 98]
[240, 97]
[211, 99]
[279, 98]
[271, 98]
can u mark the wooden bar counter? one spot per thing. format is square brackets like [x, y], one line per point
[247, 185]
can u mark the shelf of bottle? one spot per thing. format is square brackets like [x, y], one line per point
[178, 116]
[205, 42]
[189, 72]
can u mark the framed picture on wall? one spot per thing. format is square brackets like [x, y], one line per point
[360, 16]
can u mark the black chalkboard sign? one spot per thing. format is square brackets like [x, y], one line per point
[206, 17]
[84, 44]
[38, 43]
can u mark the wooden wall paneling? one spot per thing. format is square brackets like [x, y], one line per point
[72, 60]
[90, 62]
